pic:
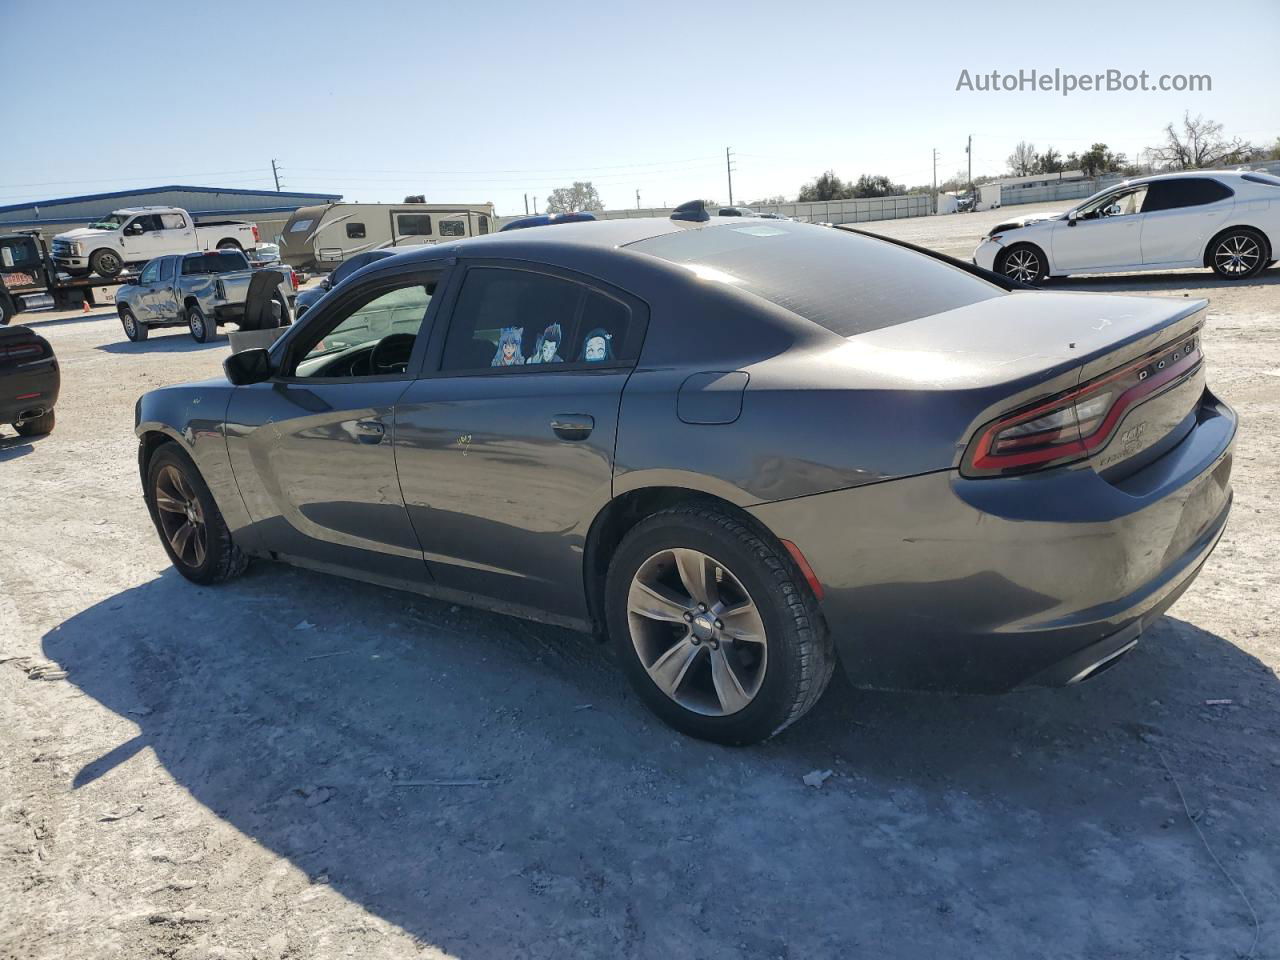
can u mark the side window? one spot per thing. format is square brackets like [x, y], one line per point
[355, 230]
[150, 273]
[508, 318]
[173, 221]
[605, 324]
[372, 335]
[483, 226]
[518, 318]
[1184, 192]
[413, 224]
[166, 268]
[453, 228]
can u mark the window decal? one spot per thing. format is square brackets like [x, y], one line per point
[547, 349]
[597, 347]
[509, 342]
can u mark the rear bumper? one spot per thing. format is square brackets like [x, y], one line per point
[946, 583]
[29, 390]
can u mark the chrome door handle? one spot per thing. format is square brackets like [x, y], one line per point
[370, 431]
[573, 426]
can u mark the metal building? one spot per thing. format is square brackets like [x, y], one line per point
[269, 209]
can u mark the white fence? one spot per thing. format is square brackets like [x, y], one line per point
[822, 211]
[1064, 190]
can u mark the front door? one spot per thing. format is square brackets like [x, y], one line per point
[312, 448]
[1106, 233]
[505, 454]
[148, 285]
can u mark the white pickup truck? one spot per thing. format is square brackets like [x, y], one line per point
[138, 234]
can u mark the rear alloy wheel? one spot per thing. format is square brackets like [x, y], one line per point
[1024, 263]
[190, 525]
[229, 245]
[715, 628]
[134, 330]
[202, 331]
[1238, 254]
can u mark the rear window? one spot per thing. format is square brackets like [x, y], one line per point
[223, 261]
[845, 282]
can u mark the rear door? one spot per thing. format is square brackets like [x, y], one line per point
[1179, 216]
[178, 233]
[312, 448]
[505, 453]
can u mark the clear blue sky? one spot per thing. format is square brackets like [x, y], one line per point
[489, 101]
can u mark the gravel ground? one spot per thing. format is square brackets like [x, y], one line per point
[297, 766]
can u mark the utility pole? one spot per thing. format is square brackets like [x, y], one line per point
[526, 204]
[969, 150]
[535, 205]
[637, 199]
[728, 166]
[275, 172]
[935, 172]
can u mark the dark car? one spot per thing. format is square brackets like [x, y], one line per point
[741, 452]
[547, 219]
[29, 381]
[307, 298]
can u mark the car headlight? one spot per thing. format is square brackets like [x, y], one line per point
[77, 250]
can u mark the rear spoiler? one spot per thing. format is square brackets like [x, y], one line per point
[999, 279]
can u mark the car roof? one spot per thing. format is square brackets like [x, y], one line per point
[1177, 174]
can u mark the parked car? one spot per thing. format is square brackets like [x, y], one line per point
[307, 298]
[29, 381]
[197, 290]
[1227, 220]
[736, 212]
[138, 234]
[740, 454]
[547, 219]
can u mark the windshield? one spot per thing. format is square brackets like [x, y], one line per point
[845, 282]
[112, 222]
[398, 311]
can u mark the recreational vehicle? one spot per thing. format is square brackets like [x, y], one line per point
[321, 237]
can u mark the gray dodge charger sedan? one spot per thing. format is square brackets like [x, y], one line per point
[741, 449]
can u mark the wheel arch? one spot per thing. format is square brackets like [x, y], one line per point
[228, 243]
[149, 441]
[1207, 259]
[620, 515]
[1037, 247]
[191, 300]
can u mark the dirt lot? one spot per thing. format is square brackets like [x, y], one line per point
[297, 766]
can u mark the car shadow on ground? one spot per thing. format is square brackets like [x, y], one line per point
[33, 319]
[491, 786]
[13, 447]
[1174, 281]
[177, 340]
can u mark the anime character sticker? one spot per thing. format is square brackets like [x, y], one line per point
[547, 349]
[509, 342]
[597, 346]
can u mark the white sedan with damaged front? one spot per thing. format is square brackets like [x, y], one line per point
[1226, 220]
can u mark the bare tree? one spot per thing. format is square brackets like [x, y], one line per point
[1199, 143]
[581, 196]
[1022, 162]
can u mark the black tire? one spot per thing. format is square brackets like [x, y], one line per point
[284, 310]
[7, 312]
[106, 263]
[799, 657]
[201, 327]
[38, 427]
[229, 245]
[1024, 262]
[134, 330]
[1238, 254]
[219, 558]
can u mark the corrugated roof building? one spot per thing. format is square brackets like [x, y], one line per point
[269, 209]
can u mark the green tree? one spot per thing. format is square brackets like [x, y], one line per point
[1048, 162]
[1098, 160]
[581, 196]
[877, 186]
[825, 187]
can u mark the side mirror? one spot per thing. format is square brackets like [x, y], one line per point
[248, 366]
[1072, 217]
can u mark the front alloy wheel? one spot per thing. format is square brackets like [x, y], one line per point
[697, 632]
[181, 516]
[191, 527]
[1024, 264]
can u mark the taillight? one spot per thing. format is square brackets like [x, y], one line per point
[293, 278]
[254, 228]
[1072, 425]
[22, 351]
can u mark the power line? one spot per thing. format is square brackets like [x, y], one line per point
[519, 170]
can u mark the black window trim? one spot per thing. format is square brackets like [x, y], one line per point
[397, 233]
[637, 326]
[284, 350]
[1185, 180]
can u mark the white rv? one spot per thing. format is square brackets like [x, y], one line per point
[320, 238]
